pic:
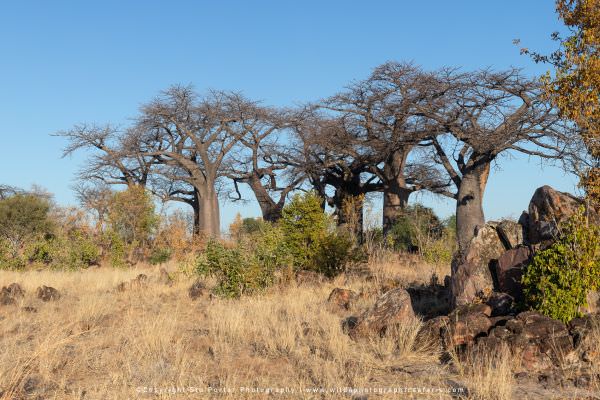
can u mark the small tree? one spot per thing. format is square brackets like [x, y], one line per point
[22, 218]
[131, 217]
[304, 225]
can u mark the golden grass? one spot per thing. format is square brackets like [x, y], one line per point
[98, 343]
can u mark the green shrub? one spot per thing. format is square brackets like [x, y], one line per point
[237, 269]
[557, 281]
[304, 225]
[23, 218]
[334, 252]
[440, 251]
[74, 251]
[417, 226]
[115, 247]
[160, 255]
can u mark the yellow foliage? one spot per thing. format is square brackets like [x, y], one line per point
[575, 89]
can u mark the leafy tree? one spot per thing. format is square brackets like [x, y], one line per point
[304, 225]
[575, 87]
[131, 216]
[23, 217]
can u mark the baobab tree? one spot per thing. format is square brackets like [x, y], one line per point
[484, 115]
[381, 116]
[335, 163]
[192, 138]
[263, 161]
[111, 163]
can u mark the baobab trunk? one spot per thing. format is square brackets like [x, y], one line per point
[207, 216]
[395, 200]
[395, 192]
[349, 209]
[469, 204]
[271, 211]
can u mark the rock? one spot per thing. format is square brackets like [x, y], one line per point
[593, 303]
[164, 277]
[500, 303]
[509, 270]
[547, 209]
[15, 290]
[393, 307]
[433, 331]
[197, 290]
[511, 233]
[47, 293]
[541, 342]
[5, 298]
[430, 300]
[471, 275]
[139, 282]
[342, 298]
[9, 294]
[468, 322]
[348, 324]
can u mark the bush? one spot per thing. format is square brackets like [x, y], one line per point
[73, 251]
[334, 252]
[557, 281]
[304, 226]
[23, 218]
[159, 256]
[131, 216]
[237, 269]
[415, 228]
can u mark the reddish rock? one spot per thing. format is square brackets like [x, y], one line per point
[509, 270]
[471, 274]
[47, 293]
[391, 308]
[500, 303]
[197, 290]
[16, 290]
[342, 298]
[468, 322]
[433, 330]
[547, 209]
[511, 233]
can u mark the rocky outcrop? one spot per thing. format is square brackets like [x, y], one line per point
[509, 270]
[466, 323]
[47, 293]
[9, 294]
[197, 290]
[547, 209]
[342, 298]
[393, 307]
[471, 276]
[511, 233]
[139, 282]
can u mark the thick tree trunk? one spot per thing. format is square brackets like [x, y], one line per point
[206, 214]
[349, 204]
[395, 201]
[395, 191]
[469, 204]
[271, 211]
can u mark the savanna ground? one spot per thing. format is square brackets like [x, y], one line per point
[96, 342]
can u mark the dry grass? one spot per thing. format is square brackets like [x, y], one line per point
[98, 343]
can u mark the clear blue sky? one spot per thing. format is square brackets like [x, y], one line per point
[64, 62]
